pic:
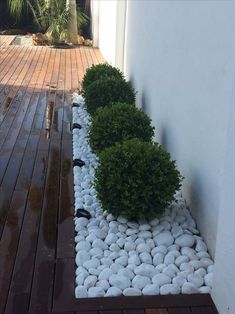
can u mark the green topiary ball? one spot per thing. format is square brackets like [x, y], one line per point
[96, 72]
[118, 123]
[136, 179]
[106, 91]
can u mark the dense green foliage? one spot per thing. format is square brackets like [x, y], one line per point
[96, 72]
[118, 123]
[106, 91]
[136, 179]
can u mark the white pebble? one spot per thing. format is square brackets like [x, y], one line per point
[151, 289]
[146, 270]
[161, 279]
[95, 292]
[132, 292]
[185, 240]
[140, 282]
[81, 292]
[189, 288]
[164, 238]
[113, 292]
[169, 289]
[120, 282]
[209, 280]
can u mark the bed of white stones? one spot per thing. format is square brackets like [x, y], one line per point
[119, 257]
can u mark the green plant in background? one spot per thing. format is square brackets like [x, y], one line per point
[52, 17]
[106, 91]
[136, 179]
[118, 123]
[98, 71]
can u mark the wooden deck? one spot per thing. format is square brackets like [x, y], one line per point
[36, 190]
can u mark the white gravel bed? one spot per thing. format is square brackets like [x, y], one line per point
[119, 257]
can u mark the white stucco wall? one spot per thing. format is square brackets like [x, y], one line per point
[180, 56]
[107, 29]
[224, 275]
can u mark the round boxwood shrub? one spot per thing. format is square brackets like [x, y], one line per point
[96, 72]
[105, 91]
[136, 179]
[117, 123]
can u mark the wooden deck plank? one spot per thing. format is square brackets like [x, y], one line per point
[203, 310]
[179, 310]
[156, 311]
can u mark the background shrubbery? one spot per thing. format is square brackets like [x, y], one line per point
[118, 123]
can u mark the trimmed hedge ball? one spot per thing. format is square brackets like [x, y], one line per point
[106, 91]
[96, 72]
[136, 179]
[117, 123]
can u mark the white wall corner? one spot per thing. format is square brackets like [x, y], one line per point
[95, 22]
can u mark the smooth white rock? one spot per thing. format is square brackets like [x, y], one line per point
[209, 280]
[164, 238]
[145, 258]
[206, 262]
[146, 270]
[106, 261]
[196, 264]
[111, 238]
[142, 247]
[158, 259]
[92, 263]
[151, 289]
[205, 289]
[150, 243]
[115, 267]
[114, 247]
[121, 242]
[201, 272]
[95, 292]
[132, 292]
[159, 249]
[81, 292]
[120, 282]
[113, 292]
[82, 257]
[185, 240]
[177, 231]
[175, 248]
[201, 246]
[134, 259]
[122, 220]
[161, 279]
[169, 271]
[96, 252]
[181, 259]
[169, 258]
[129, 246]
[179, 280]
[104, 284]
[122, 228]
[144, 227]
[127, 273]
[130, 232]
[145, 234]
[81, 222]
[94, 271]
[105, 274]
[90, 281]
[195, 279]
[169, 289]
[98, 243]
[140, 282]
[189, 288]
[123, 260]
[160, 267]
